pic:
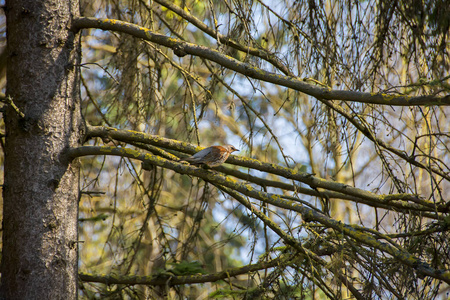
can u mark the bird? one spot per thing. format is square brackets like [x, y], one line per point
[212, 156]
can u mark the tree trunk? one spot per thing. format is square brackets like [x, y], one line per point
[39, 259]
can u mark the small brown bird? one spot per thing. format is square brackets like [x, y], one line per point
[212, 156]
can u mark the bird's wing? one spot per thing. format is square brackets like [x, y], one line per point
[202, 154]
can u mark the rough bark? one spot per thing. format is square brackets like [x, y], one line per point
[39, 259]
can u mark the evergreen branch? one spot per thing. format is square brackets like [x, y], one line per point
[182, 48]
[339, 190]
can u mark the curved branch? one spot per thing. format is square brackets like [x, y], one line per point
[182, 48]
[338, 190]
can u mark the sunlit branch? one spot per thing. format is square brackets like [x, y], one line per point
[351, 193]
[182, 48]
[396, 202]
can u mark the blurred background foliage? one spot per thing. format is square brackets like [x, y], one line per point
[153, 222]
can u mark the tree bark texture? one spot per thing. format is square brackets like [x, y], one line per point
[39, 259]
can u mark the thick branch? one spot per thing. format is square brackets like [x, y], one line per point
[343, 191]
[182, 48]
